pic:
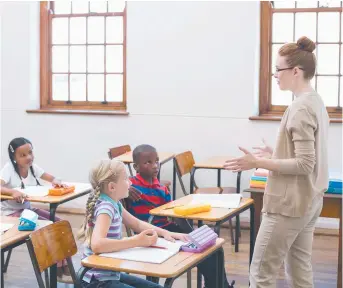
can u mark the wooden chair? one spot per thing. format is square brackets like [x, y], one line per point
[117, 151]
[49, 245]
[184, 163]
[129, 232]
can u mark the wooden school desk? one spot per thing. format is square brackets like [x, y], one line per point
[53, 202]
[332, 208]
[217, 163]
[164, 158]
[171, 269]
[13, 238]
[216, 215]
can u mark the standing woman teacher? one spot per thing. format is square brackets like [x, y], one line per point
[298, 174]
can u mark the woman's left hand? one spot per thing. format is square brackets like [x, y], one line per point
[171, 236]
[246, 162]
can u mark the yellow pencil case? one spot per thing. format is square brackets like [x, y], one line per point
[192, 209]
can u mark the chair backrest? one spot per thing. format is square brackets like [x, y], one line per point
[53, 243]
[184, 162]
[124, 202]
[49, 245]
[117, 151]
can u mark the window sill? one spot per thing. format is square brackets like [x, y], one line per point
[78, 112]
[278, 118]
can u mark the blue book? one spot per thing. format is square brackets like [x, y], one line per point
[335, 183]
[334, 190]
[259, 178]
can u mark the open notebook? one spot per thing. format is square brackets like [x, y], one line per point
[148, 254]
[229, 201]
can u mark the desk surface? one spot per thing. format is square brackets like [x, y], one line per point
[127, 157]
[216, 162]
[13, 235]
[216, 214]
[326, 195]
[53, 199]
[173, 267]
[332, 203]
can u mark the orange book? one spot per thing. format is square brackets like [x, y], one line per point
[59, 191]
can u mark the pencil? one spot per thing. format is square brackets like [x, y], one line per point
[158, 247]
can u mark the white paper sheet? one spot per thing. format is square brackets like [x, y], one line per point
[229, 201]
[35, 191]
[148, 254]
[41, 191]
[5, 226]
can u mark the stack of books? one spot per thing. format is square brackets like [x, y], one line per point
[335, 186]
[259, 179]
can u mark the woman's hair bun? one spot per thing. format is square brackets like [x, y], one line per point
[306, 44]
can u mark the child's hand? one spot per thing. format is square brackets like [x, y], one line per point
[60, 185]
[147, 238]
[57, 183]
[134, 194]
[171, 236]
[19, 196]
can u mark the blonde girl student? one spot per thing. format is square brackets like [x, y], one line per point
[20, 172]
[102, 229]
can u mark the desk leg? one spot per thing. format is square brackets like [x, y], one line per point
[252, 232]
[220, 269]
[237, 231]
[2, 270]
[169, 282]
[258, 202]
[217, 228]
[219, 177]
[339, 274]
[189, 279]
[53, 207]
[4, 266]
[174, 181]
[53, 268]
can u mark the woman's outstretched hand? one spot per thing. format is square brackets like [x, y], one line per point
[246, 162]
[263, 151]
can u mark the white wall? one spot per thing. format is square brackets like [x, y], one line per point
[192, 84]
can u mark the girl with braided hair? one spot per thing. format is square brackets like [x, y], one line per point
[101, 230]
[19, 173]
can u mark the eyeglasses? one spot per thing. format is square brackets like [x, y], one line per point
[277, 70]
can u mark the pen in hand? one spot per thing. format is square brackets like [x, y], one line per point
[24, 196]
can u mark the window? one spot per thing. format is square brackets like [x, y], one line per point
[286, 21]
[83, 55]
